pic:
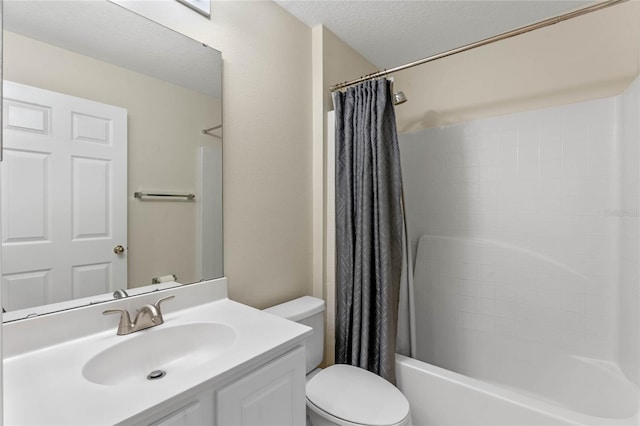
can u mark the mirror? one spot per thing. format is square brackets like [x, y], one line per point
[100, 104]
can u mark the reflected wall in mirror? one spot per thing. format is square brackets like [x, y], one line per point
[100, 103]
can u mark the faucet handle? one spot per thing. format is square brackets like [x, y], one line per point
[164, 299]
[125, 320]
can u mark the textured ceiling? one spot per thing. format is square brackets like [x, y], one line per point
[392, 33]
[110, 33]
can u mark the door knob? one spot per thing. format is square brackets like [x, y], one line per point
[118, 249]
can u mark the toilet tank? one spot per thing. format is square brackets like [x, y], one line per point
[309, 311]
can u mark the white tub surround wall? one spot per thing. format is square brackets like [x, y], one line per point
[629, 216]
[522, 222]
[47, 370]
[542, 182]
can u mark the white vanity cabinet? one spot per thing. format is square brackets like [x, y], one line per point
[272, 394]
[226, 364]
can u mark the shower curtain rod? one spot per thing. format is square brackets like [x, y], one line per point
[484, 42]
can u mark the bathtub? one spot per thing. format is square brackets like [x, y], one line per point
[592, 394]
[502, 338]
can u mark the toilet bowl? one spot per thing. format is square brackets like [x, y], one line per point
[347, 395]
[341, 394]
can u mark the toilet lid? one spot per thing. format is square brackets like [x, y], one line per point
[357, 395]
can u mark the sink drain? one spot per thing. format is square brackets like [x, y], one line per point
[156, 374]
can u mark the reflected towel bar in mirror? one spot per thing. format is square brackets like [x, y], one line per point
[157, 195]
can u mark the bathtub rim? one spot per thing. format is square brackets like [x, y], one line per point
[513, 397]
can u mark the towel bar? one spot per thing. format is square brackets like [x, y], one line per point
[143, 195]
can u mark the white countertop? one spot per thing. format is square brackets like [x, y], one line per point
[45, 386]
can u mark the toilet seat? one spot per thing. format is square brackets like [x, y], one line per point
[348, 395]
[328, 419]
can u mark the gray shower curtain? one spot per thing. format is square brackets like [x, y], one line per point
[369, 227]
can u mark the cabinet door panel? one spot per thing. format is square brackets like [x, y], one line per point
[273, 395]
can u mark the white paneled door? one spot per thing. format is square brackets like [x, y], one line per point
[64, 202]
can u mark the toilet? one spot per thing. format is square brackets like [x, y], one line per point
[341, 394]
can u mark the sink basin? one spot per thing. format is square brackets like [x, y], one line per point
[167, 348]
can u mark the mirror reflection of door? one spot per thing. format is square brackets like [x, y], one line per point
[64, 182]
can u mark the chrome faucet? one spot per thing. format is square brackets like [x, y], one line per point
[147, 316]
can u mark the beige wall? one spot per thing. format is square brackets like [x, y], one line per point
[340, 63]
[162, 146]
[267, 142]
[589, 57]
[334, 62]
